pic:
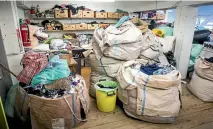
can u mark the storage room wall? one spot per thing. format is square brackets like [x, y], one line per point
[20, 13]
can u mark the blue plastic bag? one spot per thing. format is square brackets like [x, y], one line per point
[56, 69]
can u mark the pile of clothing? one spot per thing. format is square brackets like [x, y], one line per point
[46, 82]
[202, 79]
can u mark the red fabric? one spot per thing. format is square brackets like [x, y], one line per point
[34, 63]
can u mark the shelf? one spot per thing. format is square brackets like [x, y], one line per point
[75, 18]
[152, 19]
[64, 30]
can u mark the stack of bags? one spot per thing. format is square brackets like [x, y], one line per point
[116, 45]
[111, 48]
[201, 84]
[118, 53]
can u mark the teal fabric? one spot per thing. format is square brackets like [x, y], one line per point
[195, 51]
[121, 21]
[10, 101]
[168, 31]
[56, 69]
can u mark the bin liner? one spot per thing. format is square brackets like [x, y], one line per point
[56, 69]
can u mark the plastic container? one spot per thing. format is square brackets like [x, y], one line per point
[106, 97]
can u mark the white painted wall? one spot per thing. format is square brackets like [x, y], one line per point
[10, 41]
[20, 13]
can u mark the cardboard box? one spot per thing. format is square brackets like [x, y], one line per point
[67, 57]
[103, 25]
[112, 15]
[81, 26]
[78, 15]
[101, 14]
[120, 15]
[92, 26]
[88, 14]
[61, 13]
[68, 26]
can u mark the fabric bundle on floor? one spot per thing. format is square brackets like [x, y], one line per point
[152, 98]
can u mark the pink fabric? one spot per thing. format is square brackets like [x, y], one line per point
[34, 63]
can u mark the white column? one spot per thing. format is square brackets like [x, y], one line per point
[184, 27]
[11, 43]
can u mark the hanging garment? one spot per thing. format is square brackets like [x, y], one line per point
[33, 63]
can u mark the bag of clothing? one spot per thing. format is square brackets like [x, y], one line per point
[138, 91]
[201, 88]
[151, 46]
[57, 68]
[202, 80]
[96, 77]
[204, 69]
[125, 33]
[104, 65]
[63, 112]
[120, 45]
[167, 43]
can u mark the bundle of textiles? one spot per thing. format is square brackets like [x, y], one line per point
[142, 83]
[48, 84]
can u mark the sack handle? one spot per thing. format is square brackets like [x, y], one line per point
[72, 110]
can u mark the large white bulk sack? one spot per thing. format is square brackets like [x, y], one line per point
[94, 78]
[124, 50]
[152, 98]
[126, 33]
[201, 84]
[102, 66]
[202, 88]
[151, 46]
[167, 43]
[204, 69]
